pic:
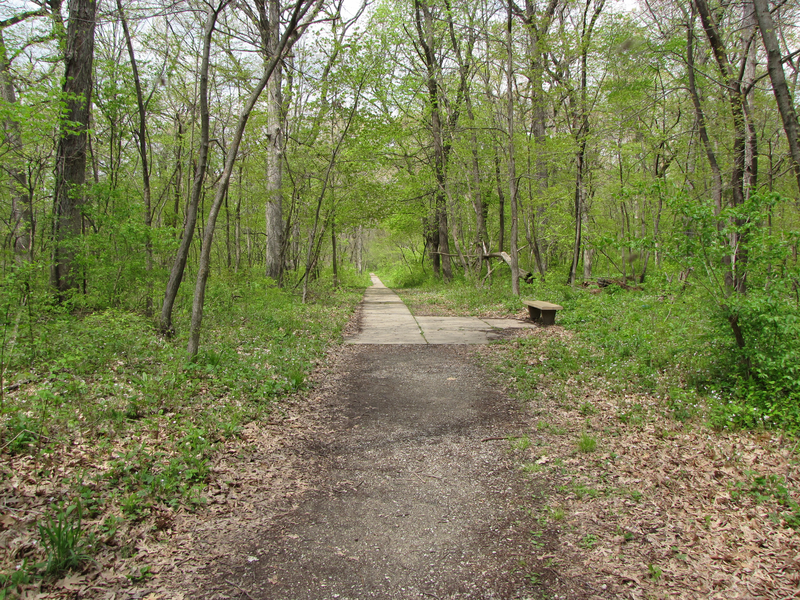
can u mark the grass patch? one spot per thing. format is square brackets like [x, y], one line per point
[587, 443]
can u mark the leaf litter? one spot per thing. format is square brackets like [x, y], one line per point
[662, 508]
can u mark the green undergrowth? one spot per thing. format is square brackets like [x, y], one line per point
[105, 392]
[665, 339]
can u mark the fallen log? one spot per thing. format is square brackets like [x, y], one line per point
[523, 274]
[605, 282]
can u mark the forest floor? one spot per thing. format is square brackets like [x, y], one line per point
[419, 472]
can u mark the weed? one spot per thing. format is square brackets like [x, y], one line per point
[587, 408]
[654, 571]
[678, 554]
[230, 429]
[135, 506]
[140, 574]
[587, 443]
[583, 491]
[682, 404]
[627, 536]
[520, 443]
[554, 429]
[9, 583]
[634, 415]
[763, 488]
[533, 578]
[62, 536]
[588, 541]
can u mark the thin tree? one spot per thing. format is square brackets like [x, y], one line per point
[291, 34]
[141, 138]
[22, 226]
[581, 134]
[512, 165]
[436, 224]
[190, 220]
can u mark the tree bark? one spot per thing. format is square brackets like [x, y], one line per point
[70, 171]
[274, 209]
[424, 24]
[501, 201]
[736, 277]
[476, 191]
[537, 32]
[700, 118]
[581, 135]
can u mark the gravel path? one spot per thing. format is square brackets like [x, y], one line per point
[413, 503]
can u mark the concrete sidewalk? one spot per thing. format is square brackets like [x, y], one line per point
[386, 320]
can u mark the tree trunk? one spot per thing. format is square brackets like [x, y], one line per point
[736, 276]
[204, 265]
[748, 69]
[360, 249]
[578, 209]
[783, 96]
[537, 33]
[274, 209]
[501, 200]
[476, 191]
[310, 256]
[237, 227]
[700, 117]
[70, 171]
[424, 24]
[581, 135]
[333, 252]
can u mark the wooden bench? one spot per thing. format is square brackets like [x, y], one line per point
[542, 311]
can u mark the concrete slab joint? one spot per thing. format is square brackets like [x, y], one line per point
[387, 320]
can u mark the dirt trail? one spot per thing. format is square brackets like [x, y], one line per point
[412, 503]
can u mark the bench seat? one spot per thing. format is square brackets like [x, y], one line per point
[544, 312]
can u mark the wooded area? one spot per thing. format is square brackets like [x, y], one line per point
[164, 160]
[629, 130]
[617, 118]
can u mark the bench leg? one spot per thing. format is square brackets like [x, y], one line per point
[548, 317]
[534, 313]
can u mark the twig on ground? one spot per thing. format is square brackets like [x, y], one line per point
[19, 434]
[426, 475]
[240, 588]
